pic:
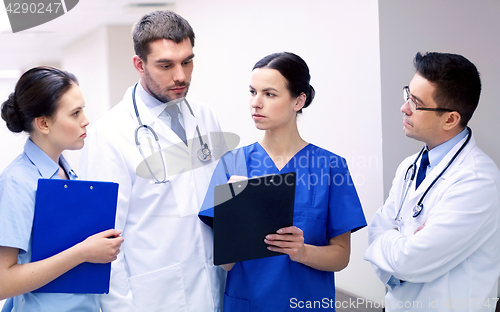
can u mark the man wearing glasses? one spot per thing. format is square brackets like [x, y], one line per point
[435, 243]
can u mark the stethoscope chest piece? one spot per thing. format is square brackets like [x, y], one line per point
[204, 153]
[417, 210]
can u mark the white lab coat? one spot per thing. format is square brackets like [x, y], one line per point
[165, 262]
[453, 263]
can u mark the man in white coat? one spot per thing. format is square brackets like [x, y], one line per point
[435, 243]
[167, 263]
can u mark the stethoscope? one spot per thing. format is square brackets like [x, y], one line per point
[410, 176]
[204, 154]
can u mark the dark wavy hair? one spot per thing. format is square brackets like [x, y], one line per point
[457, 81]
[37, 93]
[295, 71]
[160, 25]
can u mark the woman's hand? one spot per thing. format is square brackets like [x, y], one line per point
[289, 240]
[228, 266]
[332, 257]
[102, 247]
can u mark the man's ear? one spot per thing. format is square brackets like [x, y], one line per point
[139, 64]
[42, 124]
[300, 102]
[452, 120]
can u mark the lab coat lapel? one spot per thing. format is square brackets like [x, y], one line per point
[190, 123]
[165, 134]
[439, 168]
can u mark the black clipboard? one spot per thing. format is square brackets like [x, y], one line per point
[246, 211]
[66, 213]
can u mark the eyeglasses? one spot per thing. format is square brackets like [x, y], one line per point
[414, 106]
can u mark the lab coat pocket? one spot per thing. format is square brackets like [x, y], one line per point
[234, 304]
[160, 290]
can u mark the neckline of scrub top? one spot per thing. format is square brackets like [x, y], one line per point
[286, 165]
[45, 165]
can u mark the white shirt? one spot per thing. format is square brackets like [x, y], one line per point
[157, 108]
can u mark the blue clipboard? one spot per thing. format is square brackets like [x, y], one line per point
[66, 213]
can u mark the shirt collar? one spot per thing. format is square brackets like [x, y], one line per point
[65, 164]
[155, 106]
[46, 166]
[438, 152]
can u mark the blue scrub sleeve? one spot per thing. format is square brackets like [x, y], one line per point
[220, 176]
[345, 212]
[232, 163]
[17, 202]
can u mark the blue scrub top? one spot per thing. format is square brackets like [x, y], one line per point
[326, 205]
[18, 184]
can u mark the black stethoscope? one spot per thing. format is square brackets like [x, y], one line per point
[204, 154]
[410, 176]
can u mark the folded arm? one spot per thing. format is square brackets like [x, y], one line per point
[456, 227]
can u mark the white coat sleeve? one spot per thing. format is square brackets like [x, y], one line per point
[461, 221]
[383, 220]
[101, 161]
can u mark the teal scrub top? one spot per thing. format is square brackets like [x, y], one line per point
[326, 205]
[18, 184]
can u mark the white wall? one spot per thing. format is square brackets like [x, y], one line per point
[120, 52]
[339, 41]
[11, 144]
[102, 62]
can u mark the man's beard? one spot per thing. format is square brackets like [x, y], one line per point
[155, 90]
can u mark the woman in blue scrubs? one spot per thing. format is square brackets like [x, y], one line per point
[327, 209]
[47, 104]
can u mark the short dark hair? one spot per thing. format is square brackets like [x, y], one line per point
[457, 81]
[37, 93]
[159, 25]
[295, 71]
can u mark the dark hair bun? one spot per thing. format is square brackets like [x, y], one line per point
[37, 93]
[11, 114]
[309, 96]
